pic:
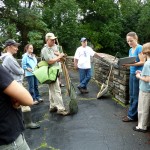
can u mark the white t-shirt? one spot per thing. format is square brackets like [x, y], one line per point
[83, 54]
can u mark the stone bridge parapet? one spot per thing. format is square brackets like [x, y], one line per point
[119, 78]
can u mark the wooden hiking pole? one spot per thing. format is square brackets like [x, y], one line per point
[66, 75]
[73, 105]
[65, 71]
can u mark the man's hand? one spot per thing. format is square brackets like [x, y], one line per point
[75, 67]
[62, 57]
[75, 64]
[29, 69]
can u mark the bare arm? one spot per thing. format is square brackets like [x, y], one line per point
[75, 63]
[144, 78]
[57, 53]
[56, 59]
[97, 55]
[19, 93]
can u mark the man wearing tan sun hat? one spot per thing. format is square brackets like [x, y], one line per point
[52, 57]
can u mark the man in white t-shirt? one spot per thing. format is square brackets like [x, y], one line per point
[82, 61]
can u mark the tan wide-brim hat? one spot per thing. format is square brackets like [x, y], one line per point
[50, 36]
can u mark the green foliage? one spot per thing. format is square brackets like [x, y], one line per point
[35, 38]
[62, 20]
[8, 31]
[143, 23]
[104, 23]
[23, 17]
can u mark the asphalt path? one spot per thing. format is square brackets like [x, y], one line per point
[97, 125]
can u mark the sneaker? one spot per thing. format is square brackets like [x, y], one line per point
[35, 102]
[62, 85]
[53, 109]
[40, 100]
[139, 130]
[63, 112]
[127, 119]
[81, 89]
[85, 91]
[32, 125]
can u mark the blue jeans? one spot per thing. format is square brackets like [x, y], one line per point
[33, 87]
[134, 93]
[85, 76]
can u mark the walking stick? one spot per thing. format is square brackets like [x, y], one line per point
[73, 106]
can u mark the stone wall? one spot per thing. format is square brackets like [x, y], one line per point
[119, 78]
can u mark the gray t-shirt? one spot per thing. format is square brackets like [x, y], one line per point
[145, 86]
[47, 53]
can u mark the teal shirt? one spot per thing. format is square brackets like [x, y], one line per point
[29, 61]
[145, 86]
[138, 50]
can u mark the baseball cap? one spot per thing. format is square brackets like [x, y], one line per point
[83, 39]
[10, 42]
[50, 36]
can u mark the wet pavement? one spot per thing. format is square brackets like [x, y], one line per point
[96, 126]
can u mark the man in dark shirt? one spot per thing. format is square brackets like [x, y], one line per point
[12, 95]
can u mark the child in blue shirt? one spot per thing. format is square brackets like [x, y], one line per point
[144, 94]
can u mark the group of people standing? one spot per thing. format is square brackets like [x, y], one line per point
[139, 108]
[15, 98]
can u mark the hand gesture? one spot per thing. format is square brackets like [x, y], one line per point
[29, 69]
[138, 75]
[138, 71]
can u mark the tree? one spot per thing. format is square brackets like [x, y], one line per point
[26, 17]
[62, 20]
[143, 22]
[104, 24]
